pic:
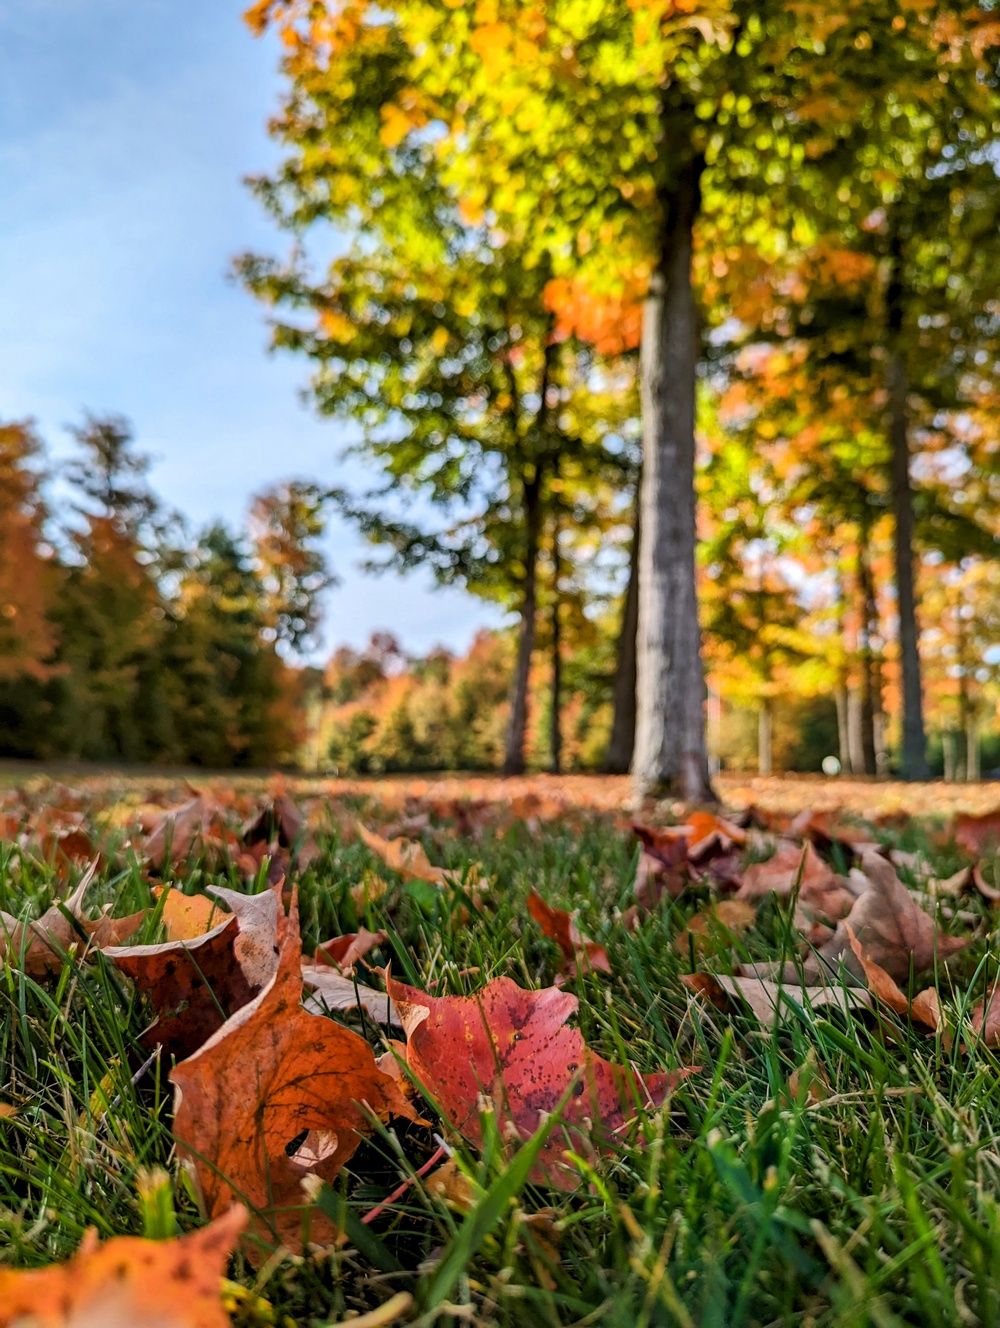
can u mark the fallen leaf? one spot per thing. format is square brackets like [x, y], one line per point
[343, 951]
[892, 930]
[580, 954]
[405, 856]
[951, 887]
[819, 890]
[825, 829]
[924, 1007]
[369, 890]
[55, 934]
[196, 984]
[279, 820]
[986, 1018]
[174, 832]
[977, 834]
[988, 891]
[270, 1075]
[331, 991]
[713, 928]
[452, 1186]
[769, 999]
[128, 1283]
[812, 1077]
[513, 1048]
[186, 916]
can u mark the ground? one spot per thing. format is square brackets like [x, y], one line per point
[820, 1166]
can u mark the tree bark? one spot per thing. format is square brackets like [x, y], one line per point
[949, 746]
[555, 718]
[513, 762]
[913, 764]
[764, 732]
[621, 744]
[670, 749]
[855, 731]
[972, 767]
[869, 701]
[843, 732]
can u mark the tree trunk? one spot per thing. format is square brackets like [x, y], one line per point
[855, 732]
[622, 741]
[949, 747]
[670, 750]
[972, 767]
[913, 763]
[869, 702]
[843, 730]
[764, 730]
[555, 719]
[513, 761]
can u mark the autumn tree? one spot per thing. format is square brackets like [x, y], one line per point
[27, 561]
[432, 334]
[110, 615]
[287, 523]
[29, 585]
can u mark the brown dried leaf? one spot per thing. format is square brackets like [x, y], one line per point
[893, 932]
[820, 891]
[331, 991]
[977, 834]
[196, 984]
[405, 856]
[54, 935]
[713, 928]
[987, 891]
[269, 1074]
[770, 1000]
[342, 952]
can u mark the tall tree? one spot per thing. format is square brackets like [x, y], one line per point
[28, 572]
[287, 524]
[432, 334]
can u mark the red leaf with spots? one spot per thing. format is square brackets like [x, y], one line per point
[513, 1049]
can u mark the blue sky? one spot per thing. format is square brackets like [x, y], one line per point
[125, 131]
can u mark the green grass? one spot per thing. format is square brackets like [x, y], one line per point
[739, 1203]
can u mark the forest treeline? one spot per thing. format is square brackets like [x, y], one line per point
[671, 327]
[125, 638]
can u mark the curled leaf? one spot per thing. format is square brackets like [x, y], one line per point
[580, 954]
[46, 941]
[196, 984]
[407, 857]
[275, 1096]
[343, 951]
[893, 932]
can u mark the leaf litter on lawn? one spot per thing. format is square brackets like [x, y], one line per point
[255, 1115]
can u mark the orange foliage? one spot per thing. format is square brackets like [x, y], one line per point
[611, 323]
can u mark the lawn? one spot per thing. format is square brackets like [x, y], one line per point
[835, 1163]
